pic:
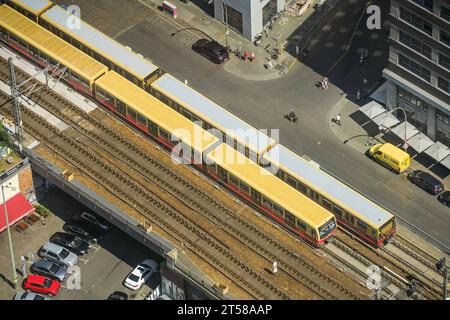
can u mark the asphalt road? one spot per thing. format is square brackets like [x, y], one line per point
[262, 104]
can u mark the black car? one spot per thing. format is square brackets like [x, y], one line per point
[84, 230]
[426, 181]
[211, 50]
[71, 242]
[118, 295]
[444, 197]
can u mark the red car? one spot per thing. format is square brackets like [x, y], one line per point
[41, 284]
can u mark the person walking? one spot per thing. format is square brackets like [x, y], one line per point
[252, 57]
[246, 54]
[338, 119]
[269, 65]
[325, 83]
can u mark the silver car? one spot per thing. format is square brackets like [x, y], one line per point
[49, 269]
[29, 296]
[56, 253]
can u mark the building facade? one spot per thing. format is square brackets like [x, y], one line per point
[418, 70]
[247, 17]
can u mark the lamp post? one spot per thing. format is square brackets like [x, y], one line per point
[406, 119]
[13, 264]
[227, 32]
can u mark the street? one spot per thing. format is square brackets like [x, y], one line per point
[263, 103]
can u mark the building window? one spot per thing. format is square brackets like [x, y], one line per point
[427, 4]
[444, 37]
[444, 61]
[443, 127]
[233, 18]
[416, 21]
[416, 45]
[416, 109]
[445, 13]
[414, 67]
[444, 84]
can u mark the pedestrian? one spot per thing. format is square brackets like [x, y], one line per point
[252, 57]
[338, 119]
[325, 83]
[269, 65]
[246, 54]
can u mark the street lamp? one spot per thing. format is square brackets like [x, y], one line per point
[405, 146]
[13, 264]
[227, 32]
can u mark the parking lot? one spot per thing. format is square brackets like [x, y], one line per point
[102, 269]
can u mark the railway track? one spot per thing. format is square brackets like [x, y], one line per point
[288, 261]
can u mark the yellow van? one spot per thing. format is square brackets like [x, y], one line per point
[390, 156]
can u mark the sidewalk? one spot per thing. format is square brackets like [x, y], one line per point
[288, 32]
[353, 134]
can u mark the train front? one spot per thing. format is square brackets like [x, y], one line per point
[327, 230]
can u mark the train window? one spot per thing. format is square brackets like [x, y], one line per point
[34, 51]
[337, 210]
[244, 187]
[212, 167]
[222, 174]
[290, 219]
[291, 181]
[73, 75]
[352, 219]
[234, 180]
[66, 38]
[84, 82]
[362, 225]
[142, 119]
[100, 93]
[13, 37]
[23, 44]
[302, 188]
[187, 114]
[253, 156]
[267, 203]
[131, 113]
[3, 32]
[121, 107]
[301, 225]
[163, 133]
[256, 196]
[153, 127]
[247, 152]
[279, 210]
[111, 100]
[326, 204]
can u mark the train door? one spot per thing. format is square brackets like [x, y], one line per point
[256, 196]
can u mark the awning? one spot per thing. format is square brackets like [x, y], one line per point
[446, 162]
[420, 142]
[386, 120]
[400, 130]
[17, 207]
[372, 109]
[438, 151]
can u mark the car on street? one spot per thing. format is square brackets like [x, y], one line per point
[84, 231]
[94, 219]
[49, 269]
[426, 181]
[444, 198]
[140, 274]
[118, 295]
[41, 284]
[71, 242]
[56, 253]
[23, 295]
[211, 50]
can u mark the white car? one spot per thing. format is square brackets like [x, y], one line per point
[140, 274]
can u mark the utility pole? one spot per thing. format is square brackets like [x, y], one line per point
[15, 97]
[5, 209]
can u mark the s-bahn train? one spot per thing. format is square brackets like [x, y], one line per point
[103, 69]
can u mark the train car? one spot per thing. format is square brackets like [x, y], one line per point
[46, 49]
[276, 199]
[99, 46]
[352, 210]
[237, 133]
[32, 9]
[187, 140]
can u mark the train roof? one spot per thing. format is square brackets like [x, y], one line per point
[36, 7]
[220, 118]
[156, 111]
[269, 185]
[101, 43]
[50, 44]
[343, 195]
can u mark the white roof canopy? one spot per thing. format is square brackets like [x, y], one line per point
[438, 151]
[420, 142]
[372, 109]
[446, 162]
[386, 120]
[400, 130]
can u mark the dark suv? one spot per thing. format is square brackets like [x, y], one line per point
[444, 198]
[426, 181]
[212, 50]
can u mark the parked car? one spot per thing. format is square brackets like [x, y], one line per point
[23, 295]
[390, 156]
[49, 269]
[56, 253]
[94, 219]
[140, 274]
[84, 231]
[426, 181]
[41, 284]
[118, 295]
[444, 197]
[211, 50]
[71, 242]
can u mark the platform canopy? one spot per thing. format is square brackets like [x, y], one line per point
[372, 109]
[446, 162]
[386, 120]
[420, 142]
[438, 151]
[400, 130]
